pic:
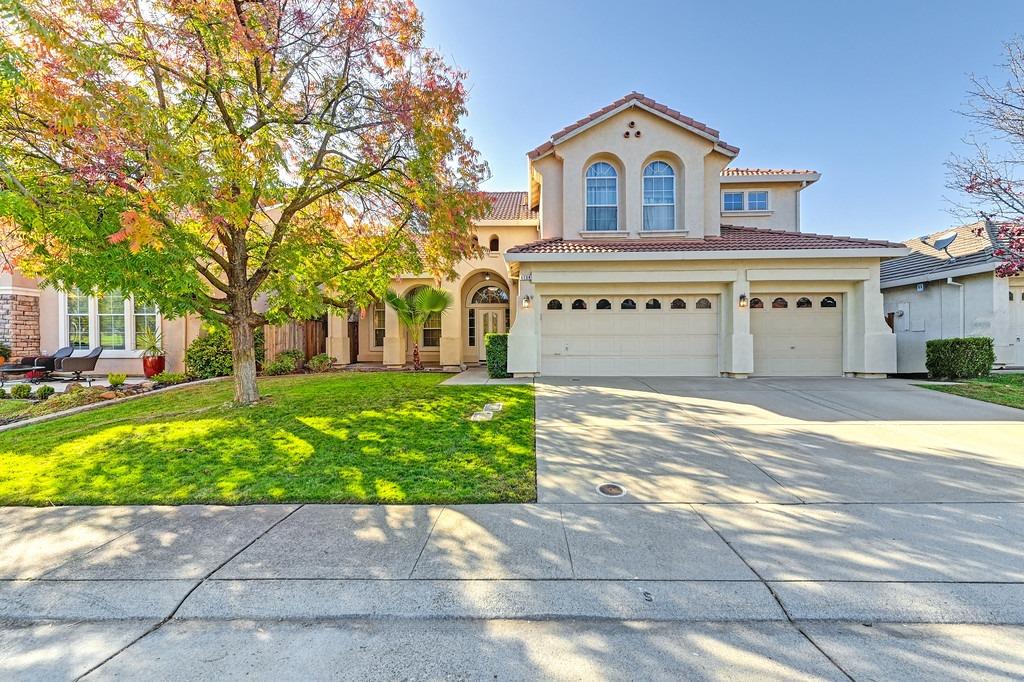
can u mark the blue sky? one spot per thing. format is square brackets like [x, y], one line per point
[865, 92]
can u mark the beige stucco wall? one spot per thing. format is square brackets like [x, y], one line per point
[938, 312]
[563, 174]
[783, 204]
[869, 348]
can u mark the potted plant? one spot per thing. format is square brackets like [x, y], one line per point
[154, 359]
[414, 311]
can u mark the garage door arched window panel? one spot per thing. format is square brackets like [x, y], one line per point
[579, 304]
[628, 304]
[554, 304]
[602, 198]
[659, 196]
[604, 304]
[804, 302]
[756, 304]
[780, 303]
[703, 304]
[490, 294]
[828, 302]
[678, 304]
[653, 304]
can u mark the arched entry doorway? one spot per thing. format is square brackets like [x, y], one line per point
[487, 312]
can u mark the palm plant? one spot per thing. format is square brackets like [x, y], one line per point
[414, 311]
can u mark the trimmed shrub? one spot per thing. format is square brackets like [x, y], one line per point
[497, 355]
[169, 378]
[21, 391]
[44, 392]
[3, 394]
[283, 365]
[296, 357]
[116, 379]
[959, 358]
[320, 363]
[210, 356]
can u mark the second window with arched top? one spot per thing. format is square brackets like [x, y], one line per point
[659, 196]
[602, 198]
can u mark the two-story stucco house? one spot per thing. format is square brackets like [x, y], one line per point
[635, 249]
[947, 288]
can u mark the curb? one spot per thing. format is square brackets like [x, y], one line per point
[104, 403]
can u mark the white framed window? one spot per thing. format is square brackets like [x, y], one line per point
[751, 200]
[659, 196]
[111, 320]
[602, 198]
[432, 331]
[377, 317]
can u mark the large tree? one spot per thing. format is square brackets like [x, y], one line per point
[221, 156]
[992, 175]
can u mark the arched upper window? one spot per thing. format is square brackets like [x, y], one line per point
[703, 304]
[659, 196]
[579, 304]
[803, 302]
[494, 245]
[828, 302]
[678, 304]
[490, 294]
[554, 304]
[628, 304]
[780, 303]
[602, 198]
[653, 304]
[604, 304]
[756, 303]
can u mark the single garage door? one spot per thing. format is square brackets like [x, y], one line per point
[644, 335]
[797, 334]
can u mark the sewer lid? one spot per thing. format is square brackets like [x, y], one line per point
[611, 490]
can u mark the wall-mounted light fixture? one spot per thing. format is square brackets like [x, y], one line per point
[743, 300]
[487, 276]
[527, 300]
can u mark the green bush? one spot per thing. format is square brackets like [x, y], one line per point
[210, 355]
[116, 379]
[3, 394]
[497, 355]
[296, 357]
[5, 351]
[959, 358]
[44, 392]
[320, 363]
[169, 378]
[21, 391]
[283, 365]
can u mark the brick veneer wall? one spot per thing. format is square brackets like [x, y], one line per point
[19, 324]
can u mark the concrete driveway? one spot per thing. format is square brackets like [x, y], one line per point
[771, 529]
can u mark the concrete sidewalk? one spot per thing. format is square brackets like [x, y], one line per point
[527, 591]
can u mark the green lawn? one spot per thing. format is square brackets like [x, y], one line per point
[339, 437]
[1003, 389]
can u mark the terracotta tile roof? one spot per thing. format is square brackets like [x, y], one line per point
[632, 97]
[734, 238]
[509, 206]
[975, 244]
[730, 172]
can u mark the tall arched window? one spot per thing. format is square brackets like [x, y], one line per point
[602, 198]
[659, 196]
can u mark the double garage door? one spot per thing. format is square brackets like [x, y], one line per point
[659, 335]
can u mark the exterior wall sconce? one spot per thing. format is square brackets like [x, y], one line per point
[527, 301]
[743, 300]
[487, 277]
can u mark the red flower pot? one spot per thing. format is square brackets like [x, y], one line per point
[153, 364]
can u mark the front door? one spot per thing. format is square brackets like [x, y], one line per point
[491, 322]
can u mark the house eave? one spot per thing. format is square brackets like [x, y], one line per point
[751, 254]
[775, 177]
[936, 275]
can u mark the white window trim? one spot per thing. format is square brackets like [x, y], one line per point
[746, 202]
[644, 204]
[373, 324]
[587, 204]
[128, 352]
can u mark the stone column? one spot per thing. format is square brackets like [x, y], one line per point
[394, 339]
[19, 324]
[338, 346]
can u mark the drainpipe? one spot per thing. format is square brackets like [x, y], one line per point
[963, 312]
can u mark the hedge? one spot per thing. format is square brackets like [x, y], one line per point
[497, 355]
[959, 358]
[209, 356]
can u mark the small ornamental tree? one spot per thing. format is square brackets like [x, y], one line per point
[205, 155]
[992, 176]
[414, 311]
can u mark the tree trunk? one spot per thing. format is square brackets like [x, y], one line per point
[416, 364]
[243, 358]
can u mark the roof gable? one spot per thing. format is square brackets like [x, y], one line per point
[638, 100]
[974, 248]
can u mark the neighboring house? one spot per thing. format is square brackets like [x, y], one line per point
[635, 250]
[936, 293]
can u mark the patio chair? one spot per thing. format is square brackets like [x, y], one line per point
[77, 366]
[48, 362]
